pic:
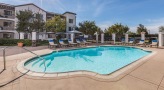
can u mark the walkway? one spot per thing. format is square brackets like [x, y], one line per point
[16, 50]
[148, 76]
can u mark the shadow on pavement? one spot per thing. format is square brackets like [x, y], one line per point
[13, 79]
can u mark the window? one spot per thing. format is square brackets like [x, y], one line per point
[41, 16]
[6, 24]
[6, 36]
[51, 35]
[70, 20]
[25, 36]
[70, 29]
[8, 13]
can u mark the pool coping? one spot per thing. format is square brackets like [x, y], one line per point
[116, 75]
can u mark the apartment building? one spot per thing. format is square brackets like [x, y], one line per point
[35, 9]
[51, 15]
[7, 21]
[70, 21]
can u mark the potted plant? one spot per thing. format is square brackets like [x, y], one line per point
[20, 44]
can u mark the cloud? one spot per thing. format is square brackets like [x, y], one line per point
[99, 9]
[159, 20]
[152, 25]
[105, 24]
[99, 6]
[56, 5]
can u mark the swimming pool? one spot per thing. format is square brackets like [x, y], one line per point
[102, 60]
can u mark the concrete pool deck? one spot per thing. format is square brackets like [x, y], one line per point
[146, 76]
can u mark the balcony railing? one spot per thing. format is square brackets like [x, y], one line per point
[6, 28]
[7, 16]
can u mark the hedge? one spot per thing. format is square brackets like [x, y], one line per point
[26, 42]
[13, 42]
[44, 42]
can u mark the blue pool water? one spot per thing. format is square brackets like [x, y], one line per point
[102, 60]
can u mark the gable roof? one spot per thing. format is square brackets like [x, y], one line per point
[6, 6]
[30, 4]
[70, 13]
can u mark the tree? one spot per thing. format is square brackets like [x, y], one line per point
[99, 31]
[89, 27]
[161, 29]
[141, 28]
[131, 33]
[56, 24]
[37, 23]
[118, 29]
[23, 20]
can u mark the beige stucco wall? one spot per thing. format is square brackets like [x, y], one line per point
[70, 16]
[32, 8]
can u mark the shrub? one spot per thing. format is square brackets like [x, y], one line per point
[44, 42]
[13, 42]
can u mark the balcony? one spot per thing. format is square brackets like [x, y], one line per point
[6, 28]
[6, 17]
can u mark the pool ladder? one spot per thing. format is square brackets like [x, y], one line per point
[4, 56]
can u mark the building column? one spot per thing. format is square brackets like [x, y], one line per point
[126, 38]
[44, 36]
[72, 37]
[114, 37]
[102, 38]
[16, 35]
[160, 39]
[97, 37]
[21, 35]
[142, 35]
[29, 36]
[34, 38]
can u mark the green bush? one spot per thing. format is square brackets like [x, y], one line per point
[40, 43]
[13, 42]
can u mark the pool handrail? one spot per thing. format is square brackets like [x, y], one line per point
[4, 55]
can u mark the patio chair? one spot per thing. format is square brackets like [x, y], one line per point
[122, 41]
[141, 43]
[71, 43]
[52, 44]
[84, 41]
[61, 42]
[79, 42]
[131, 42]
[154, 43]
[118, 43]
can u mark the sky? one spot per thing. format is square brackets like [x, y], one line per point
[107, 12]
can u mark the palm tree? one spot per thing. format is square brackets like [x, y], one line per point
[161, 29]
[88, 27]
[141, 28]
[118, 29]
